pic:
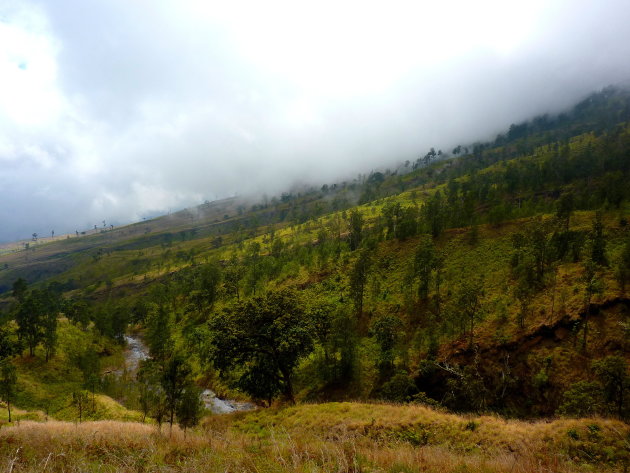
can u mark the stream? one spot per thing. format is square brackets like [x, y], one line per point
[137, 351]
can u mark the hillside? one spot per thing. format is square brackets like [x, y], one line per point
[334, 437]
[491, 280]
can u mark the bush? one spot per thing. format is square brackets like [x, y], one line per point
[400, 388]
[582, 399]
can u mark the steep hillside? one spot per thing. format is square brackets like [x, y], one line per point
[492, 280]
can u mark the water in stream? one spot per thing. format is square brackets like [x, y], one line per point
[137, 351]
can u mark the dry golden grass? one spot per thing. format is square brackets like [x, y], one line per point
[342, 437]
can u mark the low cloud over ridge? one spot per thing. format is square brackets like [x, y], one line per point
[113, 110]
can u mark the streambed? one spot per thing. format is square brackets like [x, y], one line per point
[137, 351]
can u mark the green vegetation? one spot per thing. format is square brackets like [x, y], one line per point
[490, 282]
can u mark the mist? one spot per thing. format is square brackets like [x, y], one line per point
[118, 110]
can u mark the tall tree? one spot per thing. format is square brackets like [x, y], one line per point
[469, 302]
[386, 330]
[261, 341]
[358, 279]
[612, 371]
[8, 383]
[622, 270]
[598, 242]
[425, 261]
[175, 377]
[592, 286]
[158, 333]
[356, 229]
[190, 407]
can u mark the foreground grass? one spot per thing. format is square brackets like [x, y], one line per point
[337, 437]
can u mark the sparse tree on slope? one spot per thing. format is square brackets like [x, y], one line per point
[8, 383]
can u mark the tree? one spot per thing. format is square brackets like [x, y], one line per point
[356, 229]
[175, 378]
[8, 383]
[80, 400]
[433, 213]
[386, 330]
[425, 261]
[208, 279]
[260, 341]
[158, 333]
[592, 286]
[90, 365]
[7, 346]
[232, 276]
[468, 301]
[49, 323]
[29, 320]
[582, 399]
[151, 397]
[190, 407]
[598, 242]
[622, 271]
[612, 371]
[358, 279]
[20, 288]
[78, 312]
[253, 262]
[564, 209]
[523, 292]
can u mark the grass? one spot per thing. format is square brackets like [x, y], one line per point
[335, 437]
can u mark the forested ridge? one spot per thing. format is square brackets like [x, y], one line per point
[491, 278]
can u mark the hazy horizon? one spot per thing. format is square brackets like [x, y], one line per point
[118, 110]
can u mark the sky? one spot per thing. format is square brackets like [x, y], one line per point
[115, 110]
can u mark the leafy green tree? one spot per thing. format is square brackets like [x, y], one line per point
[400, 388]
[8, 383]
[622, 270]
[20, 289]
[261, 342]
[90, 365]
[564, 209]
[28, 318]
[434, 214]
[425, 261]
[358, 279]
[468, 300]
[356, 229]
[49, 323]
[598, 241]
[119, 317]
[232, 276]
[151, 397]
[158, 333]
[175, 378]
[8, 347]
[190, 407]
[253, 263]
[582, 399]
[78, 312]
[612, 371]
[386, 330]
[36, 316]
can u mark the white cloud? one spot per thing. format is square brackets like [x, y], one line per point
[109, 110]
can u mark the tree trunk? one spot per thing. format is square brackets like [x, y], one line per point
[288, 386]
